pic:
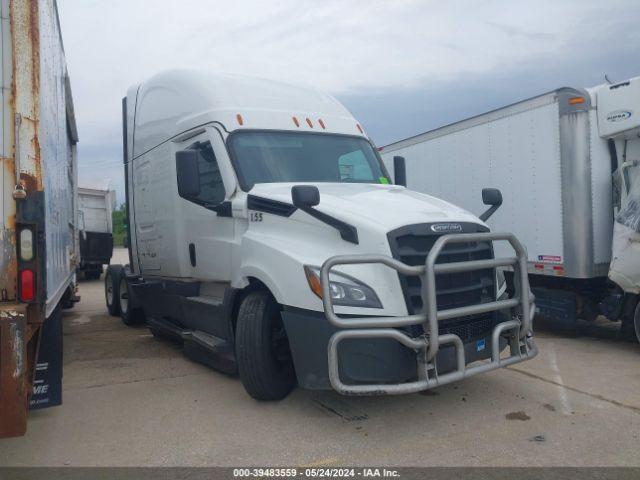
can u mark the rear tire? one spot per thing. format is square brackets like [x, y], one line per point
[111, 286]
[630, 326]
[634, 325]
[130, 316]
[262, 349]
[67, 303]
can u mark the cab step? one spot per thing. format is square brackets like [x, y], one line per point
[199, 346]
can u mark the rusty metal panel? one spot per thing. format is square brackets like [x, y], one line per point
[14, 374]
[26, 91]
[44, 135]
[7, 165]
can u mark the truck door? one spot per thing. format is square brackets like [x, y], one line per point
[209, 235]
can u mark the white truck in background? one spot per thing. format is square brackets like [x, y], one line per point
[38, 230]
[568, 164]
[265, 237]
[95, 210]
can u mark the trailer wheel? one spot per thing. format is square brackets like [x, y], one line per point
[262, 348]
[93, 274]
[111, 288]
[130, 315]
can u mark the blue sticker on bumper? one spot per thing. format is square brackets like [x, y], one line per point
[480, 344]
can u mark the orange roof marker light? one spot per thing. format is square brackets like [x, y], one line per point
[295, 120]
[576, 100]
[309, 123]
[240, 120]
[359, 128]
[321, 123]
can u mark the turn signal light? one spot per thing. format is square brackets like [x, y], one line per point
[26, 244]
[576, 100]
[27, 286]
[314, 281]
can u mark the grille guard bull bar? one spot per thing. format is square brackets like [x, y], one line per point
[521, 307]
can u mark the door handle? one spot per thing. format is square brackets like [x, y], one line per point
[192, 254]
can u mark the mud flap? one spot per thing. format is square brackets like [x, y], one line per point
[47, 384]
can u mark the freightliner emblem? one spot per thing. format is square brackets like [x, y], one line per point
[446, 227]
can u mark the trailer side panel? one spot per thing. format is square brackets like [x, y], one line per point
[58, 159]
[519, 153]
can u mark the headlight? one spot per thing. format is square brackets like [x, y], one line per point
[344, 290]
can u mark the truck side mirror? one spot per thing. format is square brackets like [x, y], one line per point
[399, 171]
[493, 197]
[188, 174]
[305, 196]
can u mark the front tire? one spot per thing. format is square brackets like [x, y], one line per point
[262, 349]
[130, 316]
[630, 325]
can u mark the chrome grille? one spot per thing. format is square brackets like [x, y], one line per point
[411, 245]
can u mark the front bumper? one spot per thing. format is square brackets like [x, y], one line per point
[366, 360]
[424, 352]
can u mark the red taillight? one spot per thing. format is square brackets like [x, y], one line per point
[27, 286]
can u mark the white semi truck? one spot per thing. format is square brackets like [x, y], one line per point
[95, 209]
[265, 236]
[38, 229]
[568, 164]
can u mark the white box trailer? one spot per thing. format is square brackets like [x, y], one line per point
[266, 239]
[95, 209]
[38, 236]
[556, 158]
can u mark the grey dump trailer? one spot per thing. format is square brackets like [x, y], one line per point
[95, 209]
[568, 165]
[38, 236]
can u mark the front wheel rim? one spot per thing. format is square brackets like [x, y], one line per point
[124, 301]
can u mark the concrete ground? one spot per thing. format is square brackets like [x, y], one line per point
[131, 400]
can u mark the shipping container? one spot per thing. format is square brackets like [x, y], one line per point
[38, 235]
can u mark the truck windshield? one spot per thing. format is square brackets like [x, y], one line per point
[270, 157]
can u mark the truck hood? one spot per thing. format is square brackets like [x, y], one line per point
[381, 206]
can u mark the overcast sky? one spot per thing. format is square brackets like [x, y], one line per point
[402, 67]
